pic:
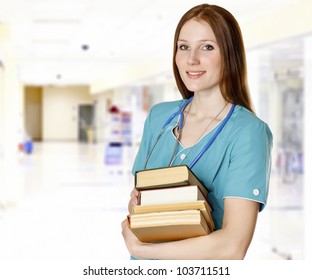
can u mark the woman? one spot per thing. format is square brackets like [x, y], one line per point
[209, 67]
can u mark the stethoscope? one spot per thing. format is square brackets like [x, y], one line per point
[180, 124]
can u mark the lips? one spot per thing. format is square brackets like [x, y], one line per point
[195, 74]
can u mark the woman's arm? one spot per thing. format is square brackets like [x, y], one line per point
[230, 242]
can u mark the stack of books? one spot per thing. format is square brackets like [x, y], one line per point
[172, 205]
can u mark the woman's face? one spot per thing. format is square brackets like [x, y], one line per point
[198, 57]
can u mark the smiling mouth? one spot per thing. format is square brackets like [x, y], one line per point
[195, 74]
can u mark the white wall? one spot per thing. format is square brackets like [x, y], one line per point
[60, 111]
[293, 20]
[11, 97]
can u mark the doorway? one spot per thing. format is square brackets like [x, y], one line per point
[86, 123]
[33, 112]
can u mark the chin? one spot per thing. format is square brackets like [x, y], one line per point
[194, 88]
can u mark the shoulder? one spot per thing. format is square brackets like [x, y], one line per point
[247, 127]
[166, 107]
[244, 120]
[244, 117]
[161, 112]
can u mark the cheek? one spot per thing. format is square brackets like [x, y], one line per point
[215, 66]
[214, 61]
[217, 62]
[218, 67]
[178, 60]
[181, 58]
[181, 63]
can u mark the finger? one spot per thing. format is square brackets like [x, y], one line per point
[131, 204]
[134, 193]
[135, 196]
[124, 223]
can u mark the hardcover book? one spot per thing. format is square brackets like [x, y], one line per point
[163, 177]
[168, 226]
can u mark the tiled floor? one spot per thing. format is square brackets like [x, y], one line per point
[63, 202]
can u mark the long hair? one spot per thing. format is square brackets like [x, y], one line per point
[233, 81]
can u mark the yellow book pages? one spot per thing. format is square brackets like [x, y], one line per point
[167, 217]
[159, 231]
[201, 205]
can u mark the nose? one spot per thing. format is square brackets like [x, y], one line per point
[193, 58]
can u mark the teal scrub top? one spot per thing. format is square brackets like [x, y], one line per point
[236, 165]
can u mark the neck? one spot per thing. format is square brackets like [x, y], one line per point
[205, 106]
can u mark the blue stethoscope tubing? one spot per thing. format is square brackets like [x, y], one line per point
[180, 124]
[214, 136]
[180, 113]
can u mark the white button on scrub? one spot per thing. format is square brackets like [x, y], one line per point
[182, 156]
[256, 192]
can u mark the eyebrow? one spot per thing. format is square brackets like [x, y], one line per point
[201, 41]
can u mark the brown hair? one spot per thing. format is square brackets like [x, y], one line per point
[233, 80]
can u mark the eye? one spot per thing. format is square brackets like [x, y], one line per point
[183, 47]
[208, 47]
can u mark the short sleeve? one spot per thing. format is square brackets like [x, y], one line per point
[250, 163]
[153, 125]
[141, 155]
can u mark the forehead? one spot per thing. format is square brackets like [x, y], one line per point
[196, 30]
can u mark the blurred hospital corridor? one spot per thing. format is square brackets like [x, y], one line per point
[71, 205]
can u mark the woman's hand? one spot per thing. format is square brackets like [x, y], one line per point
[132, 242]
[134, 197]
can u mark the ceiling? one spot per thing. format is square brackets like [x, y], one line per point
[76, 42]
